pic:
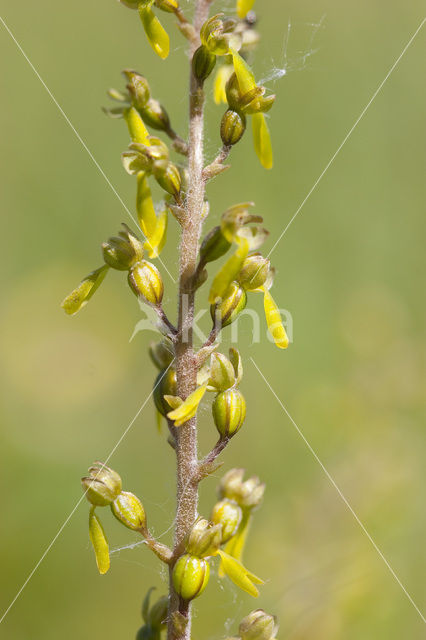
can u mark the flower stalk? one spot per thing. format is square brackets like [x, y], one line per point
[189, 372]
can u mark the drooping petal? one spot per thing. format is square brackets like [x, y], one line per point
[78, 298]
[239, 575]
[137, 129]
[243, 7]
[157, 36]
[262, 141]
[229, 271]
[245, 75]
[188, 408]
[145, 207]
[274, 321]
[219, 86]
[99, 542]
[156, 242]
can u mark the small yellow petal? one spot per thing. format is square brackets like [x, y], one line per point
[243, 72]
[156, 242]
[188, 408]
[145, 207]
[229, 271]
[99, 542]
[157, 36]
[262, 140]
[239, 574]
[274, 322]
[243, 7]
[78, 298]
[137, 129]
[219, 86]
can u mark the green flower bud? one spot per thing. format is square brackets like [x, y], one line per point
[190, 576]
[157, 616]
[129, 510]
[232, 127]
[165, 385]
[161, 353]
[222, 373]
[204, 539]
[228, 514]
[122, 252]
[147, 633]
[214, 246]
[102, 485]
[167, 5]
[155, 115]
[229, 412]
[254, 272]
[258, 625]
[145, 281]
[203, 63]
[247, 494]
[138, 88]
[168, 177]
[233, 303]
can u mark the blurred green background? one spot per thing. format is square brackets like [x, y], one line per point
[351, 270]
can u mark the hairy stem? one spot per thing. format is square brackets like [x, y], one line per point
[186, 363]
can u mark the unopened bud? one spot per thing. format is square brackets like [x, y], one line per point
[214, 246]
[232, 127]
[155, 115]
[228, 514]
[190, 576]
[157, 616]
[129, 510]
[102, 485]
[222, 373]
[204, 539]
[203, 63]
[247, 494]
[138, 88]
[165, 385]
[254, 272]
[168, 177]
[232, 304]
[145, 281]
[161, 353]
[122, 252]
[258, 625]
[229, 412]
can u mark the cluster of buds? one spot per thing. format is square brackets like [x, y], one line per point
[123, 252]
[192, 569]
[238, 496]
[246, 98]
[258, 625]
[152, 158]
[138, 96]
[249, 38]
[103, 488]
[154, 617]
